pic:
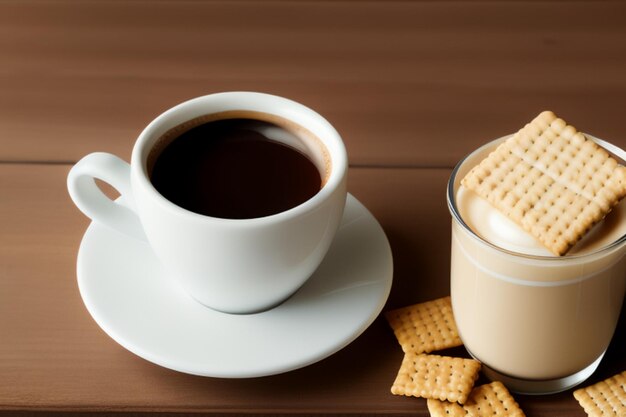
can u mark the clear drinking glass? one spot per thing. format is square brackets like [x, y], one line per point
[539, 324]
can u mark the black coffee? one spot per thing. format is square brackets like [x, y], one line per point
[234, 169]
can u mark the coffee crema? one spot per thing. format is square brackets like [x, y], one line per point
[235, 166]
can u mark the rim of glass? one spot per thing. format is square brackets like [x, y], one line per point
[450, 197]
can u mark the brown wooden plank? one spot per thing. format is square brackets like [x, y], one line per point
[406, 83]
[53, 357]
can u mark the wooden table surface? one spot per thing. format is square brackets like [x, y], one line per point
[411, 86]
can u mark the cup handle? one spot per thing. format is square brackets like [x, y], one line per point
[90, 199]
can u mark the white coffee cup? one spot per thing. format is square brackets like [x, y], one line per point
[231, 265]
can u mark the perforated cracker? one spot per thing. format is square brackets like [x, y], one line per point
[434, 376]
[551, 180]
[438, 408]
[425, 327]
[605, 398]
[492, 400]
[489, 400]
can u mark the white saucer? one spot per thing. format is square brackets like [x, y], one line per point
[135, 303]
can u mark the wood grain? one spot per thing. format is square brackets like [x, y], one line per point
[412, 86]
[406, 83]
[54, 356]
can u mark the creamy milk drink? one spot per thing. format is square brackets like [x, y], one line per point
[538, 322]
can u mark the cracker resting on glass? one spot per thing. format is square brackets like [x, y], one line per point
[551, 180]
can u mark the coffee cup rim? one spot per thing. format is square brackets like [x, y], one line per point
[242, 101]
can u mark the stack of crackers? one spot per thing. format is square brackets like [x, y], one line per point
[446, 382]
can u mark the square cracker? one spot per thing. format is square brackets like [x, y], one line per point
[434, 376]
[605, 398]
[551, 180]
[438, 408]
[489, 400]
[425, 327]
[492, 400]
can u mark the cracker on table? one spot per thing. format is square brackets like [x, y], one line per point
[605, 398]
[492, 400]
[425, 327]
[489, 400]
[438, 408]
[551, 180]
[434, 376]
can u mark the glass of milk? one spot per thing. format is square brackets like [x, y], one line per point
[539, 323]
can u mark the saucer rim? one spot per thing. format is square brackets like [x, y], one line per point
[385, 284]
